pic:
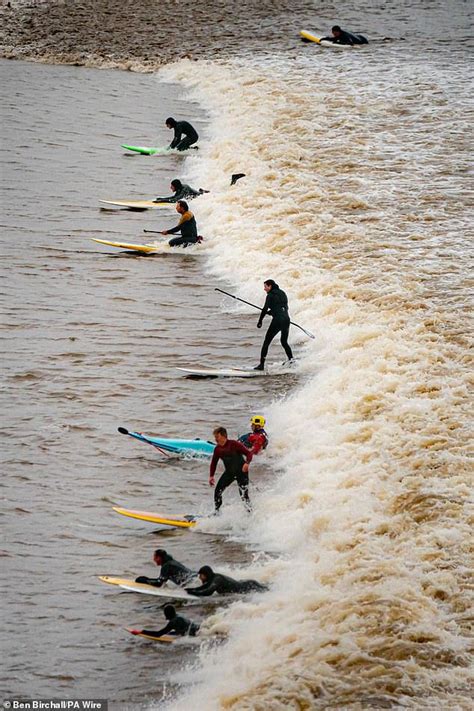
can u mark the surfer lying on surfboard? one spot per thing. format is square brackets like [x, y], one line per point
[183, 190]
[186, 225]
[180, 192]
[171, 569]
[340, 36]
[177, 625]
[180, 127]
[222, 584]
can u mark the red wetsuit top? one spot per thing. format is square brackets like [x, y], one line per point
[232, 454]
[255, 441]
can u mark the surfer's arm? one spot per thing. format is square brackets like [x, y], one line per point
[171, 198]
[243, 450]
[177, 138]
[184, 218]
[166, 630]
[264, 311]
[213, 465]
[156, 582]
[202, 590]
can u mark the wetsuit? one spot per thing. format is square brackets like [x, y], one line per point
[188, 228]
[190, 133]
[183, 193]
[232, 454]
[172, 570]
[276, 304]
[255, 441]
[347, 38]
[223, 585]
[179, 625]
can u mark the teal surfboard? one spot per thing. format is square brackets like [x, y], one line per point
[190, 447]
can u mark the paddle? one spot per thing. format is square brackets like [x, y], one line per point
[124, 431]
[259, 308]
[153, 232]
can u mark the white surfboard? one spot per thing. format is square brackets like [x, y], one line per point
[272, 370]
[137, 204]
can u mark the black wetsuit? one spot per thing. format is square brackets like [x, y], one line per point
[347, 38]
[223, 585]
[188, 228]
[179, 625]
[172, 570]
[186, 192]
[232, 454]
[276, 304]
[190, 133]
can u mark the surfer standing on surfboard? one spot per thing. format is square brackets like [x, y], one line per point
[340, 36]
[187, 226]
[232, 454]
[276, 304]
[180, 127]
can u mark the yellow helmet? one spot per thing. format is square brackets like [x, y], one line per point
[258, 420]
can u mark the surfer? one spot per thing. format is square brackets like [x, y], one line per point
[177, 625]
[275, 304]
[171, 569]
[186, 225]
[222, 584]
[180, 127]
[257, 439]
[340, 36]
[232, 454]
[181, 191]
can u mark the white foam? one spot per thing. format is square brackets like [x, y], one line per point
[366, 511]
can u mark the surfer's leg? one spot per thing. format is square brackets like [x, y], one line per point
[177, 241]
[269, 336]
[243, 483]
[226, 480]
[185, 144]
[285, 330]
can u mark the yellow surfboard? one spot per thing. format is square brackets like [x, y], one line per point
[138, 204]
[142, 248]
[165, 638]
[161, 519]
[111, 580]
[324, 43]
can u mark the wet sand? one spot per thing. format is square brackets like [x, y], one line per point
[142, 36]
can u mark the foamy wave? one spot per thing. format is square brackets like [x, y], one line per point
[369, 602]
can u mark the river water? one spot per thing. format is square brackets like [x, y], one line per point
[357, 201]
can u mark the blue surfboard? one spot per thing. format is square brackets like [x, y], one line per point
[191, 447]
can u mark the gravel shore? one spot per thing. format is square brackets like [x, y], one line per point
[142, 35]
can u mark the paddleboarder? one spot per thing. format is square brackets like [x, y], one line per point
[276, 304]
[180, 192]
[222, 584]
[177, 625]
[340, 36]
[171, 569]
[180, 128]
[186, 225]
[232, 454]
[257, 439]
